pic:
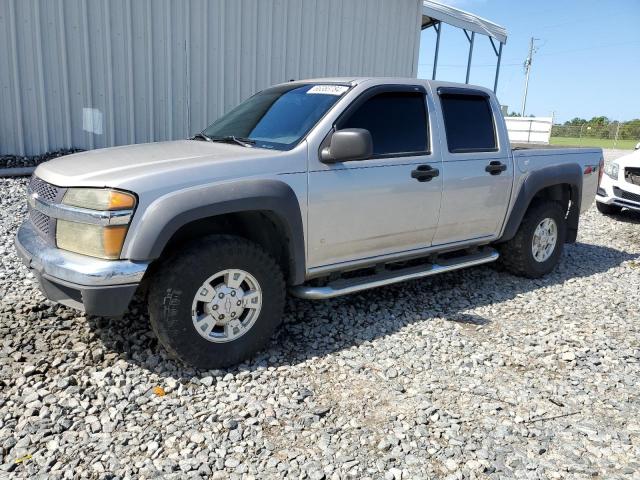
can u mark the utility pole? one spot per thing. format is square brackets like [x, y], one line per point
[527, 69]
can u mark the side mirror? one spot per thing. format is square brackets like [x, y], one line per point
[348, 144]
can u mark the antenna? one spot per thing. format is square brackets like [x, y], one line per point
[527, 69]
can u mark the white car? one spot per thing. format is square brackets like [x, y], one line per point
[620, 185]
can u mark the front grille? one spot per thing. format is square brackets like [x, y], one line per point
[618, 192]
[45, 190]
[45, 225]
[41, 222]
[632, 175]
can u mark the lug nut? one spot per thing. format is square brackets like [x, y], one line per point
[233, 314]
[233, 293]
[221, 295]
[239, 303]
[221, 316]
[214, 307]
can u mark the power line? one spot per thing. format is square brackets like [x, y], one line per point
[606, 45]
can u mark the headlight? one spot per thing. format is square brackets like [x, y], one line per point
[611, 169]
[103, 238]
[92, 240]
[99, 199]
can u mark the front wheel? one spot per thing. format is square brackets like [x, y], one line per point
[608, 209]
[537, 246]
[217, 301]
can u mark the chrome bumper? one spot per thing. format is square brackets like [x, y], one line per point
[95, 286]
[70, 267]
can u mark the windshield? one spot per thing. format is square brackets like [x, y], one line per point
[278, 117]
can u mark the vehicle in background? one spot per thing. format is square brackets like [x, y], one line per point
[620, 185]
[325, 187]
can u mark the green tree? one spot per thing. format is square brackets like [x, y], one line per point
[599, 121]
[576, 121]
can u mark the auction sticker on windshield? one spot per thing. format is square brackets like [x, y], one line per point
[328, 89]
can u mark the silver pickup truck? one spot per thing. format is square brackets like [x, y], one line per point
[320, 187]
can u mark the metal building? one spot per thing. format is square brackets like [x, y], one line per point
[96, 73]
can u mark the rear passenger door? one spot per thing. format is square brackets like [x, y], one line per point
[377, 206]
[476, 166]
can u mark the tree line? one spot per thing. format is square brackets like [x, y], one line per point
[598, 127]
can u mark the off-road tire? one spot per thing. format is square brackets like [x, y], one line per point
[608, 209]
[516, 255]
[177, 280]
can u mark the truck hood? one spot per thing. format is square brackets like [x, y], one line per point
[121, 165]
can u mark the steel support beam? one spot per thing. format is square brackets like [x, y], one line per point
[498, 52]
[495, 82]
[438, 27]
[471, 40]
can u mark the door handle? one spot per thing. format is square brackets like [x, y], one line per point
[424, 173]
[495, 168]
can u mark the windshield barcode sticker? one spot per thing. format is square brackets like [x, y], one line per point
[328, 89]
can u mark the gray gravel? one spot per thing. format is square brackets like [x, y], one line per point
[21, 161]
[475, 374]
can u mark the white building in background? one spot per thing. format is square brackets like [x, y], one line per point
[529, 129]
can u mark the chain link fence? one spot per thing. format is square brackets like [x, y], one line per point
[615, 135]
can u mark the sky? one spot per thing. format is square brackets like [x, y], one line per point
[587, 62]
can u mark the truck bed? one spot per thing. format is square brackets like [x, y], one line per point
[531, 156]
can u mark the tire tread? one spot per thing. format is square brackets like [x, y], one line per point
[189, 258]
[514, 254]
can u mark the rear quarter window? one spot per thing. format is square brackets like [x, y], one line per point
[468, 123]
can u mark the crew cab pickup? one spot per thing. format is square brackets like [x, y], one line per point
[320, 187]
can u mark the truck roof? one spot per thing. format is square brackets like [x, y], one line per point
[353, 81]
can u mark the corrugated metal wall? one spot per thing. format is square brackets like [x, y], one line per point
[97, 73]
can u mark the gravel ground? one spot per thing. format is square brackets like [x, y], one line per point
[610, 154]
[475, 374]
[17, 161]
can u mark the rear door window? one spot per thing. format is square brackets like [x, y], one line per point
[397, 122]
[468, 123]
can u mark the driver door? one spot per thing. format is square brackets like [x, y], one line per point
[374, 207]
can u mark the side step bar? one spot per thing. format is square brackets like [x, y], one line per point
[345, 286]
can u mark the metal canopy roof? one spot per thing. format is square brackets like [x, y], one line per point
[434, 14]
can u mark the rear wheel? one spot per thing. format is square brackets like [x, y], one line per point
[216, 302]
[537, 246]
[608, 209]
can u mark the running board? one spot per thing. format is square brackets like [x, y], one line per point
[345, 286]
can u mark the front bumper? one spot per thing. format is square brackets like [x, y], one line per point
[620, 193]
[95, 286]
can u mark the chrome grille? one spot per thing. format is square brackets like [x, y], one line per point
[44, 225]
[618, 192]
[41, 222]
[45, 190]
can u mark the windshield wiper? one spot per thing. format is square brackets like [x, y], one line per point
[245, 142]
[201, 136]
